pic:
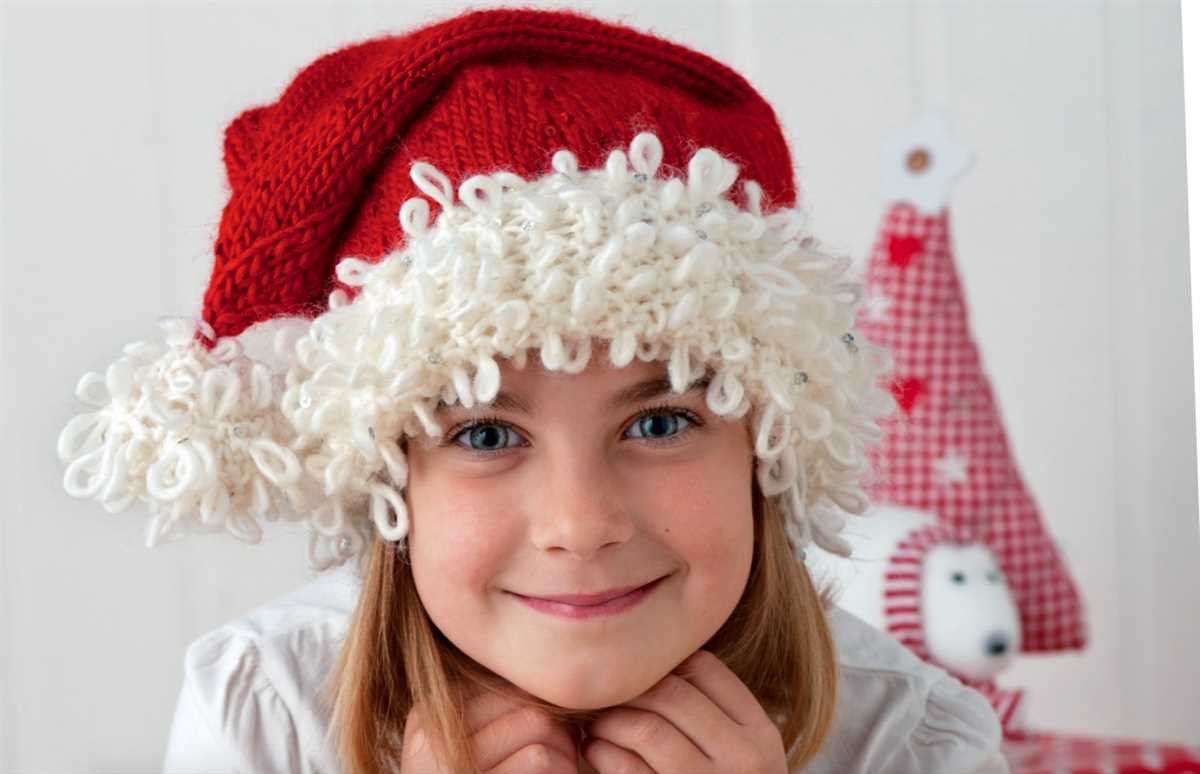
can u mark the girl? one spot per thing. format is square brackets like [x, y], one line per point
[563, 427]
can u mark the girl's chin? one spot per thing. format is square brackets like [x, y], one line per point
[591, 692]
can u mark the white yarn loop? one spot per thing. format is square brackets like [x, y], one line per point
[330, 519]
[278, 464]
[709, 176]
[565, 163]
[337, 472]
[580, 354]
[173, 474]
[389, 512]
[684, 311]
[353, 271]
[414, 217]
[724, 393]
[487, 378]
[86, 390]
[552, 353]
[622, 349]
[481, 194]
[462, 386]
[433, 183]
[617, 167]
[770, 440]
[753, 193]
[646, 153]
[395, 461]
[679, 368]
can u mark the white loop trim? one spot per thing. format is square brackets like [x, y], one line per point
[646, 153]
[564, 162]
[354, 271]
[481, 194]
[433, 183]
[622, 349]
[487, 379]
[386, 503]
[724, 393]
[774, 414]
[462, 386]
[414, 217]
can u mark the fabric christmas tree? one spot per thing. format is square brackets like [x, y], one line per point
[946, 451]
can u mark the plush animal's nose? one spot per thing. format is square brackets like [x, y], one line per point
[996, 644]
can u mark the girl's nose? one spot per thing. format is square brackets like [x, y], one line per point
[578, 506]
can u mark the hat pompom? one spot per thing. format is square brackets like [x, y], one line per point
[193, 432]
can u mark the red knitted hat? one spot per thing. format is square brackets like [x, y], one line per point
[380, 308]
[322, 173]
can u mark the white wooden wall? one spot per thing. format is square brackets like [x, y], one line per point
[1070, 232]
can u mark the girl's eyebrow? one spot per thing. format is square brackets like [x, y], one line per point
[647, 389]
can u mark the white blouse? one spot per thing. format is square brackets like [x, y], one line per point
[248, 701]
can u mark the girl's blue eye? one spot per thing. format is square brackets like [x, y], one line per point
[660, 424]
[490, 435]
[487, 436]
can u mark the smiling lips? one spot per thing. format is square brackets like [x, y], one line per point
[578, 606]
[591, 599]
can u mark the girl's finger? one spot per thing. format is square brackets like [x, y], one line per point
[687, 708]
[723, 688]
[660, 744]
[537, 759]
[514, 731]
[605, 757]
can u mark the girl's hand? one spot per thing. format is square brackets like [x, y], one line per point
[700, 719]
[505, 739]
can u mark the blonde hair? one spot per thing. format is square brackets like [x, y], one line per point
[776, 640]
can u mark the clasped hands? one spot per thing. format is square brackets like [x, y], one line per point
[699, 719]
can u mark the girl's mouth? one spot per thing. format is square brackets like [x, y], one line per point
[580, 612]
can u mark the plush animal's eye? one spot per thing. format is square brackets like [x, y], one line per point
[993, 576]
[958, 577]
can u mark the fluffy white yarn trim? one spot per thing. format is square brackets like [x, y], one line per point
[660, 268]
[194, 433]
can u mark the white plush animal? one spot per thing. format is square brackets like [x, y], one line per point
[939, 591]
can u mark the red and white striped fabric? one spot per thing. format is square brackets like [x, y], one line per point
[1049, 753]
[903, 618]
[945, 452]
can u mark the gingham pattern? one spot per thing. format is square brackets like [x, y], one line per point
[1050, 753]
[946, 452]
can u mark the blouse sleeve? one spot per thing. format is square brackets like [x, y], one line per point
[959, 733]
[229, 717]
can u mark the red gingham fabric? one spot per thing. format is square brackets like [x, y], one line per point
[946, 452]
[1050, 753]
[322, 172]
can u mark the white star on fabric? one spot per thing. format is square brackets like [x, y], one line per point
[877, 306]
[927, 189]
[952, 468]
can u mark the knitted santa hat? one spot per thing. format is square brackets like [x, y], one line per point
[415, 207]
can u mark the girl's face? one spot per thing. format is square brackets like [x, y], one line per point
[577, 484]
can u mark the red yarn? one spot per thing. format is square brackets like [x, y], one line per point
[322, 172]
